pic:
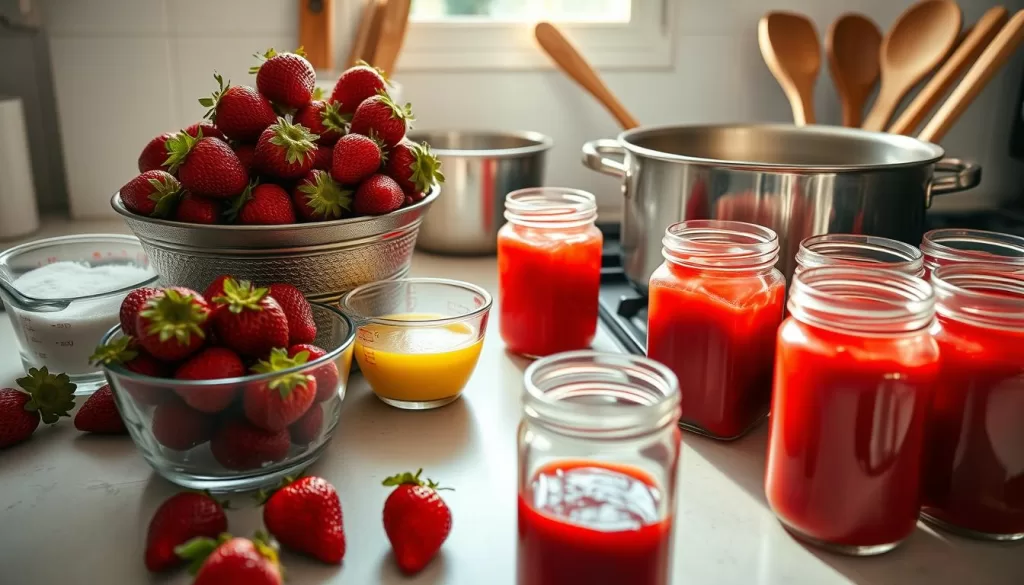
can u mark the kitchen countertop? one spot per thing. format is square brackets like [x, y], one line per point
[74, 507]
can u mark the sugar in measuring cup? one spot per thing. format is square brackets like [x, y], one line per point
[62, 294]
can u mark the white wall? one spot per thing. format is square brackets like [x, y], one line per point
[126, 70]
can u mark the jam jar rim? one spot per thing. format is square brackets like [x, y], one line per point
[957, 298]
[716, 244]
[550, 207]
[932, 246]
[911, 258]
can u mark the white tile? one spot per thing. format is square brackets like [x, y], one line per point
[113, 96]
[233, 17]
[130, 18]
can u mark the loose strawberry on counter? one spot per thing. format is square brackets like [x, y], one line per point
[416, 520]
[318, 197]
[323, 119]
[274, 404]
[262, 204]
[195, 209]
[286, 79]
[232, 561]
[154, 155]
[46, 397]
[377, 195]
[355, 85]
[356, 157]
[414, 167]
[100, 415]
[212, 363]
[326, 375]
[239, 111]
[305, 516]
[179, 427]
[248, 320]
[240, 445]
[382, 118]
[172, 325]
[153, 194]
[179, 519]
[206, 166]
[285, 150]
[301, 326]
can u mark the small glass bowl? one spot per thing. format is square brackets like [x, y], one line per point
[194, 449]
[418, 340]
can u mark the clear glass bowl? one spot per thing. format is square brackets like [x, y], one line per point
[206, 451]
[418, 340]
[58, 330]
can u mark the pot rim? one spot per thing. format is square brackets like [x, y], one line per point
[894, 140]
[541, 143]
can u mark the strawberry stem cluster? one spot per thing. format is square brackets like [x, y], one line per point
[173, 315]
[279, 361]
[51, 395]
[241, 295]
[297, 141]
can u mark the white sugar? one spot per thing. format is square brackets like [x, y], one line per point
[62, 280]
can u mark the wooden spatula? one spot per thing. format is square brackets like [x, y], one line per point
[316, 32]
[392, 34]
[360, 50]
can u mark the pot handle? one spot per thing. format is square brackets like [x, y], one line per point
[966, 175]
[593, 159]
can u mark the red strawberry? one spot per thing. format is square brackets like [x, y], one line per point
[195, 209]
[216, 288]
[323, 119]
[307, 429]
[239, 445]
[301, 326]
[248, 320]
[355, 85]
[381, 118]
[155, 154]
[126, 352]
[232, 561]
[178, 427]
[212, 363]
[322, 157]
[285, 150]
[305, 516]
[172, 325]
[416, 520]
[46, 396]
[132, 304]
[276, 403]
[208, 130]
[246, 154]
[153, 194]
[180, 518]
[318, 197]
[378, 195]
[287, 79]
[100, 415]
[326, 375]
[414, 168]
[355, 158]
[262, 204]
[207, 166]
[239, 111]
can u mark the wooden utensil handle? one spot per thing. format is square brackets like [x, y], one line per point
[361, 40]
[316, 32]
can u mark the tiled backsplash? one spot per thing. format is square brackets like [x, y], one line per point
[128, 70]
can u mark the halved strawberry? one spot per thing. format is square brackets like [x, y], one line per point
[319, 198]
[414, 167]
[172, 325]
[276, 403]
[380, 117]
[248, 320]
[285, 150]
[326, 375]
[355, 85]
[206, 167]
[153, 194]
[287, 79]
[239, 111]
[212, 363]
[323, 119]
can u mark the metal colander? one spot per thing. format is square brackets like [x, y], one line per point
[323, 259]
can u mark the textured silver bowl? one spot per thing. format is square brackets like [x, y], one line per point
[323, 259]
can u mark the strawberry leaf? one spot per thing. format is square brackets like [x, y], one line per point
[118, 351]
[178, 148]
[212, 101]
[237, 203]
[280, 361]
[173, 315]
[426, 169]
[325, 196]
[51, 395]
[297, 141]
[241, 295]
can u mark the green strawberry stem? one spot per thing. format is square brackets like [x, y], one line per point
[325, 196]
[51, 395]
[409, 478]
[296, 139]
[197, 550]
[178, 148]
[173, 315]
[426, 169]
[237, 203]
[264, 494]
[333, 119]
[117, 351]
[241, 295]
[280, 361]
[397, 112]
[212, 101]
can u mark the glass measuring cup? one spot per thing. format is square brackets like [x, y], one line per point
[56, 327]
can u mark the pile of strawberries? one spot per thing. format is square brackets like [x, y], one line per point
[231, 330]
[277, 154]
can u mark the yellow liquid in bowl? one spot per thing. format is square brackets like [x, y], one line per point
[417, 364]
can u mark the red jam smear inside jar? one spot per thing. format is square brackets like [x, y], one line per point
[974, 458]
[943, 247]
[549, 271]
[857, 250]
[714, 308]
[855, 371]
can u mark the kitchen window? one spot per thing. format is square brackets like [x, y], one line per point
[498, 34]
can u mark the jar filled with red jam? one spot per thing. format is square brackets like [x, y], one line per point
[950, 246]
[549, 271]
[598, 455]
[713, 310]
[974, 456]
[855, 372]
[857, 250]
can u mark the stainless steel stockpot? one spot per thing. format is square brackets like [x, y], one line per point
[798, 181]
[480, 168]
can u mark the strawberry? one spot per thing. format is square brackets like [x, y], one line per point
[262, 204]
[100, 415]
[323, 119]
[301, 326]
[413, 199]
[206, 166]
[47, 396]
[216, 288]
[212, 363]
[307, 429]
[381, 118]
[286, 79]
[414, 167]
[278, 402]
[153, 194]
[416, 520]
[239, 445]
[132, 304]
[180, 518]
[285, 150]
[239, 111]
[377, 195]
[326, 375]
[355, 158]
[172, 325]
[318, 197]
[248, 320]
[178, 427]
[208, 130]
[127, 353]
[356, 85]
[322, 157]
[305, 516]
[246, 154]
[155, 154]
[232, 561]
[195, 209]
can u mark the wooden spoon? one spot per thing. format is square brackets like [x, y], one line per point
[852, 44]
[790, 47]
[965, 54]
[917, 42]
[572, 63]
[392, 34]
[361, 41]
[984, 69]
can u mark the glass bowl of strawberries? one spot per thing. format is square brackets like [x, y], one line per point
[231, 389]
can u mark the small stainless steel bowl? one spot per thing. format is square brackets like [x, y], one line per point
[480, 168]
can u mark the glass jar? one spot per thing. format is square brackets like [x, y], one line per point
[974, 459]
[949, 246]
[859, 250]
[598, 454]
[855, 371]
[549, 271]
[714, 307]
